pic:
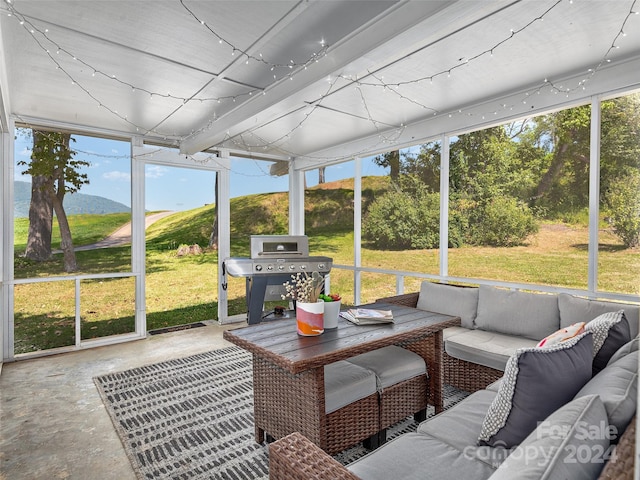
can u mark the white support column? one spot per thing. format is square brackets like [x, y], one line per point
[594, 193]
[6, 254]
[224, 232]
[357, 230]
[296, 200]
[444, 206]
[138, 247]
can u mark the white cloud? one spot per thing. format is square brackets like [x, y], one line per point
[117, 176]
[155, 171]
[25, 152]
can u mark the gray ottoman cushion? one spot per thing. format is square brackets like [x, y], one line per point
[415, 456]
[391, 365]
[560, 448]
[344, 383]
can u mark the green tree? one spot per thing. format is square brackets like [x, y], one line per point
[391, 160]
[55, 173]
[623, 201]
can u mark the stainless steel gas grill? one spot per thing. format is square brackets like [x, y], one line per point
[274, 258]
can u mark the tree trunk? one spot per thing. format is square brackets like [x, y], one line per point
[40, 221]
[394, 165]
[321, 178]
[213, 238]
[555, 169]
[66, 242]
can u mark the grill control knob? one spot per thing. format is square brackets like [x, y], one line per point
[292, 267]
[280, 267]
[303, 267]
[269, 267]
[259, 268]
[321, 266]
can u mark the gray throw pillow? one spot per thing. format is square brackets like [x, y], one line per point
[450, 300]
[524, 314]
[624, 350]
[536, 382]
[610, 332]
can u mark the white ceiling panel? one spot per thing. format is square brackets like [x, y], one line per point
[306, 79]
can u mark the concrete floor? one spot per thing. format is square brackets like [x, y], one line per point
[53, 424]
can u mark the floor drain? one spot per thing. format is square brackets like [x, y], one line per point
[176, 328]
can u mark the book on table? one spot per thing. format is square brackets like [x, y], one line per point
[367, 316]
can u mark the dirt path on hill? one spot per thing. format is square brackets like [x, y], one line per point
[122, 236]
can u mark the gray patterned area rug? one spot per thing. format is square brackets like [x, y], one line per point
[192, 418]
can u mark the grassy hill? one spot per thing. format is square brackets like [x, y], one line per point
[328, 210]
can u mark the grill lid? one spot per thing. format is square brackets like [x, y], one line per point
[281, 246]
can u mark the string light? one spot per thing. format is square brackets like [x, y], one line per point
[386, 134]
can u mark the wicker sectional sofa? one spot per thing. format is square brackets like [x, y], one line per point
[592, 416]
[496, 322]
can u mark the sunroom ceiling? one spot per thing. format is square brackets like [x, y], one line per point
[316, 80]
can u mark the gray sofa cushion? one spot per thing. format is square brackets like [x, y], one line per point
[536, 382]
[560, 448]
[577, 309]
[459, 426]
[617, 386]
[344, 383]
[391, 365]
[416, 456]
[529, 315]
[451, 300]
[610, 332]
[485, 348]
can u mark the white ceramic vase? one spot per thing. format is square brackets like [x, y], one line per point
[331, 312]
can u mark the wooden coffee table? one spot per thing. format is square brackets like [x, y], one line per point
[288, 369]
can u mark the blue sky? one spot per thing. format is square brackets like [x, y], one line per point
[173, 188]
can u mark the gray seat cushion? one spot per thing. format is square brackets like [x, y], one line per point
[523, 314]
[344, 383]
[451, 300]
[617, 386]
[578, 309]
[416, 456]
[459, 426]
[391, 365]
[560, 449]
[490, 349]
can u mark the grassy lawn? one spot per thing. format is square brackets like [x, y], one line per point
[182, 290]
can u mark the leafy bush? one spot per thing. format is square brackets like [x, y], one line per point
[623, 201]
[501, 222]
[399, 220]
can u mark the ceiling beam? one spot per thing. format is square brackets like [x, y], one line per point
[398, 18]
[616, 78]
